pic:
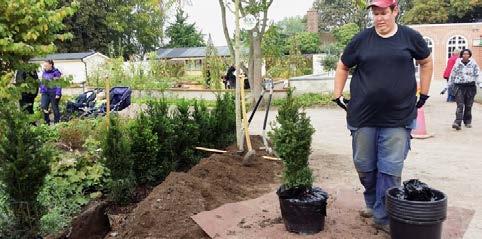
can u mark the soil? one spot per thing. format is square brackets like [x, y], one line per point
[216, 180]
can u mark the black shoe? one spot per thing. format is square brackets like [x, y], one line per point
[456, 126]
[468, 125]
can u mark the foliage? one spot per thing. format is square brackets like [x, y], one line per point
[345, 33]
[306, 42]
[24, 157]
[443, 11]
[290, 26]
[185, 138]
[292, 139]
[116, 27]
[27, 29]
[343, 36]
[273, 45]
[136, 26]
[147, 166]
[308, 100]
[223, 121]
[336, 13]
[183, 34]
[74, 133]
[72, 183]
[213, 67]
[116, 152]
[153, 74]
[428, 11]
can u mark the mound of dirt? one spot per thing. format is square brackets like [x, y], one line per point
[216, 180]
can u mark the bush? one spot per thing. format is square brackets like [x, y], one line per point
[185, 138]
[116, 151]
[74, 133]
[147, 167]
[24, 158]
[292, 141]
[164, 130]
[71, 184]
[224, 121]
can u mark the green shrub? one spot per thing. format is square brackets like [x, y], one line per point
[24, 158]
[72, 183]
[186, 136]
[73, 134]
[203, 119]
[116, 151]
[292, 141]
[224, 121]
[147, 167]
[164, 130]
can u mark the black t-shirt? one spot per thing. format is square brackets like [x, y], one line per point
[383, 86]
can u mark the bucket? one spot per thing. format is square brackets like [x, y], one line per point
[305, 214]
[416, 219]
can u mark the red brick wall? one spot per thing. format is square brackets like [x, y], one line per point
[440, 35]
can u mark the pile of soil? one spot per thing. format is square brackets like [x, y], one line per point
[216, 180]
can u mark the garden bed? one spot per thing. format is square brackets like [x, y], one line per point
[216, 180]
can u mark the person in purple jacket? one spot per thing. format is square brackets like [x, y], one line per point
[50, 94]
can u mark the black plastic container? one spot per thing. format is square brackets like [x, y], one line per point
[304, 212]
[416, 219]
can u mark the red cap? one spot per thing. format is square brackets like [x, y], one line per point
[382, 3]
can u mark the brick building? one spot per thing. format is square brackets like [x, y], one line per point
[443, 39]
[312, 21]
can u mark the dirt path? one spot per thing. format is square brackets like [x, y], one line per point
[451, 161]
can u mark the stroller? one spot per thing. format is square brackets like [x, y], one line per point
[82, 106]
[120, 98]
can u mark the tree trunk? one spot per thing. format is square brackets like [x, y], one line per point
[257, 68]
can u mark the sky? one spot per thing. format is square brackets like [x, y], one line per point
[207, 15]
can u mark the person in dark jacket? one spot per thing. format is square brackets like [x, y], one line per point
[231, 77]
[50, 93]
[28, 96]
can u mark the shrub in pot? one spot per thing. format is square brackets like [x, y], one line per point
[303, 207]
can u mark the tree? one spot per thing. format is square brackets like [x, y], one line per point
[274, 45]
[89, 27]
[183, 34]
[213, 67]
[292, 25]
[28, 28]
[427, 11]
[117, 27]
[24, 163]
[259, 9]
[444, 11]
[343, 36]
[336, 13]
[306, 42]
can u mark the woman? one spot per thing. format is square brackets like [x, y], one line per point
[464, 77]
[50, 93]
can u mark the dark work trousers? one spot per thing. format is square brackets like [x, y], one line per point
[26, 102]
[464, 96]
[49, 99]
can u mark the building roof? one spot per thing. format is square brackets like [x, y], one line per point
[189, 52]
[65, 56]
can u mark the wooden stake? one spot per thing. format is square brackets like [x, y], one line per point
[211, 150]
[107, 93]
[272, 158]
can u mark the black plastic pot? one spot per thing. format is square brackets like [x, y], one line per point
[303, 211]
[416, 219]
